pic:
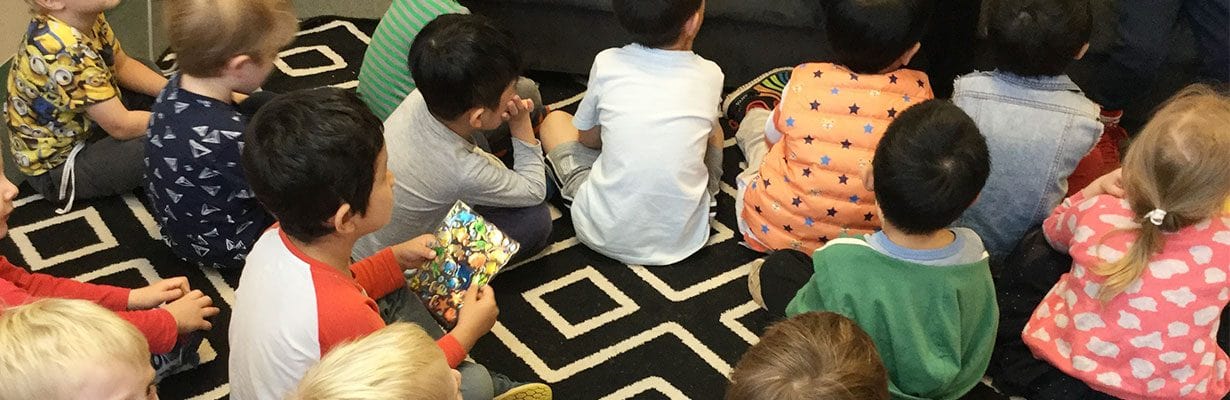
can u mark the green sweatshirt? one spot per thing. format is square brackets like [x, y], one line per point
[934, 326]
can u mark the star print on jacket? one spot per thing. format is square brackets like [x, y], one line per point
[208, 213]
[819, 156]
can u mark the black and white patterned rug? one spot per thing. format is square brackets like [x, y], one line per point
[589, 326]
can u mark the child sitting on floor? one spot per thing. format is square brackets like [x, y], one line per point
[811, 356]
[167, 312]
[70, 132]
[641, 159]
[384, 81]
[802, 186]
[316, 159]
[923, 291]
[197, 190]
[395, 362]
[1136, 316]
[1037, 122]
[58, 349]
[467, 71]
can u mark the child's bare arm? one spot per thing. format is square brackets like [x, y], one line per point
[119, 122]
[592, 137]
[136, 76]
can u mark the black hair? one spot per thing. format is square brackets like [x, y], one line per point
[655, 23]
[929, 167]
[461, 61]
[1038, 37]
[307, 153]
[868, 36]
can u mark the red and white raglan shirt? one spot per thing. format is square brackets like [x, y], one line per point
[18, 286]
[1155, 340]
[291, 309]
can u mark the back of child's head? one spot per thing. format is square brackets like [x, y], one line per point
[929, 167]
[1177, 164]
[869, 36]
[398, 361]
[1038, 37]
[655, 23]
[460, 62]
[309, 152]
[207, 34]
[812, 356]
[59, 349]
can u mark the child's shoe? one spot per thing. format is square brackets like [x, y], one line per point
[753, 282]
[1105, 156]
[529, 391]
[763, 92]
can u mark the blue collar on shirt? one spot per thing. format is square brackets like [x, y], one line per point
[897, 251]
[1053, 83]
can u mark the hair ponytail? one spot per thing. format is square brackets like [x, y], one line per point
[1176, 164]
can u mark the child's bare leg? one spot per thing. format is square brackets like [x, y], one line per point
[557, 129]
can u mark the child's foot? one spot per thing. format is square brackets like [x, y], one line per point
[529, 391]
[182, 357]
[753, 282]
[763, 92]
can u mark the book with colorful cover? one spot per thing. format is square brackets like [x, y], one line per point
[469, 251]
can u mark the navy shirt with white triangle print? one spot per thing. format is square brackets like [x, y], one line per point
[200, 197]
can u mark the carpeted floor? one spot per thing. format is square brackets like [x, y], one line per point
[591, 327]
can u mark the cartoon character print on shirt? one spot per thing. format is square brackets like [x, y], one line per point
[57, 73]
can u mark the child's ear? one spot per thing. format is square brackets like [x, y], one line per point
[868, 178]
[474, 117]
[909, 54]
[238, 63]
[343, 220]
[1081, 53]
[692, 27]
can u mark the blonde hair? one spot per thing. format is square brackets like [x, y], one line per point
[817, 355]
[1177, 164]
[45, 346]
[398, 361]
[206, 34]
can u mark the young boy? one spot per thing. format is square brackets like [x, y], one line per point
[398, 361]
[70, 131]
[922, 291]
[383, 79]
[467, 72]
[199, 195]
[802, 185]
[317, 160]
[639, 159]
[1037, 122]
[812, 356]
[165, 312]
[57, 349]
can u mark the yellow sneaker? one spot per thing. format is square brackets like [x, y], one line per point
[529, 391]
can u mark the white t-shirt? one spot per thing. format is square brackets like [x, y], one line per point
[645, 201]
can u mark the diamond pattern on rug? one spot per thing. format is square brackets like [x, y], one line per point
[589, 326]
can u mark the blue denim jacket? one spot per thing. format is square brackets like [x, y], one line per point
[1037, 129]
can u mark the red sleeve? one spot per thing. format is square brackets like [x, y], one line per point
[453, 352]
[42, 285]
[158, 327]
[343, 312]
[379, 274]
[1060, 227]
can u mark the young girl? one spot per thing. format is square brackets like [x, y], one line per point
[1137, 315]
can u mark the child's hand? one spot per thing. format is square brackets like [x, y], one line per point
[413, 253]
[517, 114]
[478, 315]
[1111, 183]
[157, 293]
[191, 310]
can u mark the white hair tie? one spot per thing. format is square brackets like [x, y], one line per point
[1156, 216]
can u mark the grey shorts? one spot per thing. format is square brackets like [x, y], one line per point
[570, 165]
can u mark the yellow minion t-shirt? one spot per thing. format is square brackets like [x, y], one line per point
[57, 73]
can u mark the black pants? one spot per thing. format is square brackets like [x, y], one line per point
[783, 274]
[1144, 30]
